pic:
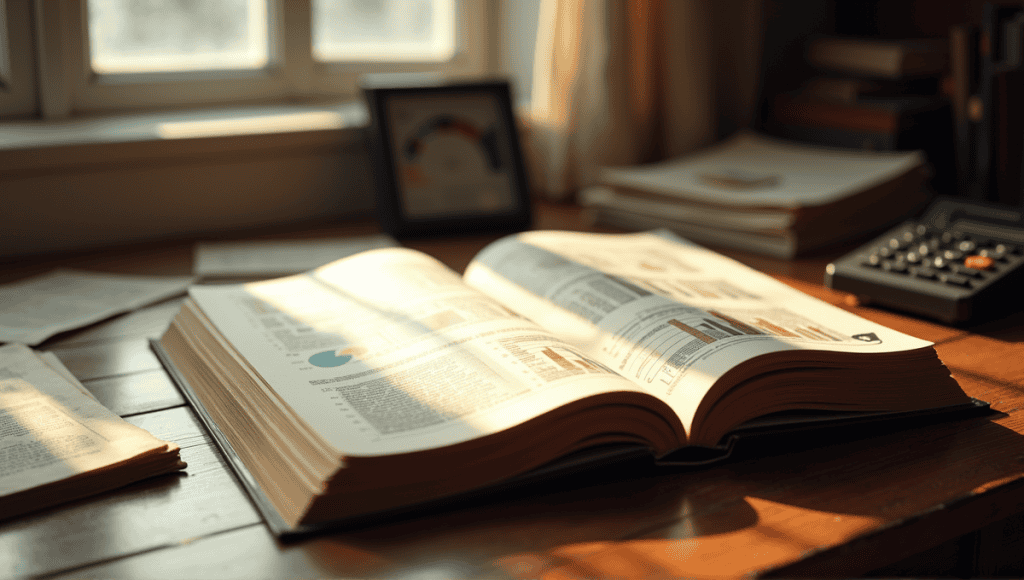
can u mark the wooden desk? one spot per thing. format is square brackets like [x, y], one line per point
[942, 499]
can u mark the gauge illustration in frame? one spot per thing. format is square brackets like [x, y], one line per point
[446, 158]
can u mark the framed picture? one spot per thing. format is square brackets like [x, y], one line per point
[446, 158]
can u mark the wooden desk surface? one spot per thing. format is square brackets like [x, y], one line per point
[939, 499]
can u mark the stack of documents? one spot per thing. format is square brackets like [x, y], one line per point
[764, 195]
[57, 443]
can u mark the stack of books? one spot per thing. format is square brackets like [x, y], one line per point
[765, 195]
[872, 94]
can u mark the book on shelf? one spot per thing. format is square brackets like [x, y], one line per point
[763, 194]
[873, 123]
[58, 443]
[881, 58]
[843, 89]
[889, 116]
[386, 380]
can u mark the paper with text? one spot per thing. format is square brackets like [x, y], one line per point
[37, 308]
[50, 430]
[666, 314]
[390, 351]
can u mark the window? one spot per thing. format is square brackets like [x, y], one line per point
[117, 55]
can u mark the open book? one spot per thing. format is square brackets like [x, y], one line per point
[385, 379]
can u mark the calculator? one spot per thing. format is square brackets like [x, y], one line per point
[962, 261]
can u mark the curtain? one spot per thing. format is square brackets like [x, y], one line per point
[620, 82]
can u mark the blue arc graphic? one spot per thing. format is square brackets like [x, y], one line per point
[328, 359]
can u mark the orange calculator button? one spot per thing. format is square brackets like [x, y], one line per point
[979, 262]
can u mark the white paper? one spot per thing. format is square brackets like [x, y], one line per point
[58, 367]
[50, 431]
[37, 308]
[779, 173]
[273, 258]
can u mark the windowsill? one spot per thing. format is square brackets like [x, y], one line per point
[99, 181]
[67, 145]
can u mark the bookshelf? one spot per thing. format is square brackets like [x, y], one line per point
[977, 156]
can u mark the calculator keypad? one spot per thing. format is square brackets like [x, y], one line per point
[961, 261]
[945, 257]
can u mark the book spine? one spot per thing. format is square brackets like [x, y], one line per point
[810, 113]
[838, 137]
[964, 66]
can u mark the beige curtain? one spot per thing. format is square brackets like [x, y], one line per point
[619, 82]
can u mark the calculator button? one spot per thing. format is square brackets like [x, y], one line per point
[979, 262]
[939, 263]
[952, 255]
[963, 270]
[993, 253]
[897, 266]
[925, 272]
[913, 257]
[873, 261]
[950, 237]
[955, 279]
[967, 246]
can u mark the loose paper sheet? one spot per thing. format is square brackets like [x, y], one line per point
[252, 258]
[49, 430]
[37, 308]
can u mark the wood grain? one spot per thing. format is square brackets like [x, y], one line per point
[832, 505]
[159, 512]
[993, 358]
[109, 359]
[136, 393]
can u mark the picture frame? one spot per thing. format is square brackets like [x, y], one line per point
[446, 157]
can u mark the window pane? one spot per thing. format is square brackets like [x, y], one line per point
[396, 30]
[127, 36]
[521, 18]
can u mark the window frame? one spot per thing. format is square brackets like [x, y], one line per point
[68, 86]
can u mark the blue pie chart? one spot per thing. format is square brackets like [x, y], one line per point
[328, 358]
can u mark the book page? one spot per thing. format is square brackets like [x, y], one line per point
[662, 312]
[390, 351]
[35, 309]
[279, 257]
[50, 430]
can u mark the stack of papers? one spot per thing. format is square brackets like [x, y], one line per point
[765, 195]
[57, 443]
